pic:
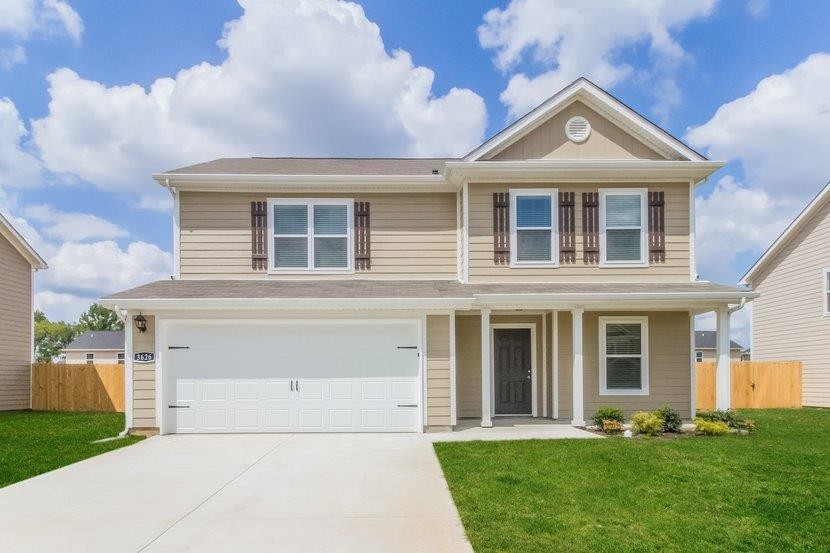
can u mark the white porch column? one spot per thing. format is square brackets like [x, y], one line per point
[578, 418]
[723, 378]
[486, 415]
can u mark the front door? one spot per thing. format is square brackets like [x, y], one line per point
[513, 371]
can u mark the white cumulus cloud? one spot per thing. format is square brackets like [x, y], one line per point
[73, 226]
[308, 77]
[18, 167]
[23, 20]
[568, 39]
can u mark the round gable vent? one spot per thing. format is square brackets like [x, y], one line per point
[577, 129]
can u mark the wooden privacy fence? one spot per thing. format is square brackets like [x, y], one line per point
[77, 387]
[755, 384]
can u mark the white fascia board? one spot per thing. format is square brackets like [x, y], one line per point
[21, 245]
[323, 183]
[581, 170]
[264, 304]
[601, 101]
[636, 301]
[797, 224]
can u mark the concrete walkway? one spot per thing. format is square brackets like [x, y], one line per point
[511, 428]
[247, 493]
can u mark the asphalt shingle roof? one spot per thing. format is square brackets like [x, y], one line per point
[707, 339]
[315, 166]
[98, 339]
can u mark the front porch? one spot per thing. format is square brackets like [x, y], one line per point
[511, 428]
[535, 370]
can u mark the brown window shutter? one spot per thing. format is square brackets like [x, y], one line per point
[501, 228]
[362, 240]
[590, 227]
[259, 229]
[567, 228]
[657, 227]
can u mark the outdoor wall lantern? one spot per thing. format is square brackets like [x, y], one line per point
[141, 323]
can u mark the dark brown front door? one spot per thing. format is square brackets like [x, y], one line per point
[512, 371]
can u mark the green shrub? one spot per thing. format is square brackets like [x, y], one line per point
[727, 416]
[711, 428]
[747, 424]
[611, 426]
[671, 419]
[646, 423]
[607, 414]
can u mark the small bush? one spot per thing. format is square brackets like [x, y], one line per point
[671, 419]
[649, 424]
[610, 426]
[711, 428]
[747, 424]
[727, 416]
[607, 414]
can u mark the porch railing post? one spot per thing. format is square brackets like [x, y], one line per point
[578, 418]
[723, 378]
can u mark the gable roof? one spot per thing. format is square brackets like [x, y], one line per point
[315, 166]
[599, 100]
[20, 244]
[97, 339]
[798, 223]
[707, 339]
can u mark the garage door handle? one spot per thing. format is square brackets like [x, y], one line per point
[179, 406]
[407, 347]
[407, 405]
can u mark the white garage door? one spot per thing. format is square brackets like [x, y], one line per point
[292, 376]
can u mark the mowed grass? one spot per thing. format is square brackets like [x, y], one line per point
[766, 492]
[34, 442]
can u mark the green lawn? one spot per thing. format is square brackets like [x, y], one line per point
[766, 492]
[34, 442]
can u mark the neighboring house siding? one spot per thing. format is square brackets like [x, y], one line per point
[108, 357]
[144, 377]
[438, 371]
[787, 319]
[606, 141]
[16, 329]
[669, 365]
[413, 236]
[709, 355]
[676, 268]
[468, 360]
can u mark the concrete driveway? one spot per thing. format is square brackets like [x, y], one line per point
[247, 493]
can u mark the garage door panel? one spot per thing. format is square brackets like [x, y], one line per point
[278, 377]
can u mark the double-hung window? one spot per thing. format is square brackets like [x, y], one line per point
[90, 358]
[622, 221]
[310, 235]
[623, 355]
[533, 227]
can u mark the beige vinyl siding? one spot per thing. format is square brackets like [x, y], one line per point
[106, 357]
[413, 236]
[438, 371]
[468, 359]
[144, 377]
[788, 322]
[606, 141]
[710, 356]
[16, 329]
[676, 268]
[669, 365]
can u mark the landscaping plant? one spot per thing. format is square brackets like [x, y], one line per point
[726, 416]
[607, 414]
[610, 426]
[646, 423]
[710, 427]
[671, 419]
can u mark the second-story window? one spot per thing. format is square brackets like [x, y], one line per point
[533, 227]
[622, 226]
[310, 235]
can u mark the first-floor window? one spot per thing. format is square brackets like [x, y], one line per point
[120, 358]
[90, 358]
[623, 354]
[310, 235]
[533, 227]
[699, 356]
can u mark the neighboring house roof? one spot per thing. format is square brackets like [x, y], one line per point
[97, 340]
[798, 223]
[315, 166]
[600, 100]
[707, 339]
[20, 244]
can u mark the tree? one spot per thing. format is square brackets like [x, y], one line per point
[99, 318]
[51, 337]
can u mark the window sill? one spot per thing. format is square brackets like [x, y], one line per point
[519, 265]
[311, 272]
[623, 392]
[635, 265]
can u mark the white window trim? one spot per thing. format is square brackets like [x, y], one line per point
[89, 360]
[603, 247]
[554, 228]
[603, 377]
[825, 297]
[309, 203]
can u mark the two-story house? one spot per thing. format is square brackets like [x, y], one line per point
[547, 273]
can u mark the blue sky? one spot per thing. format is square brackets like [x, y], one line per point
[87, 137]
